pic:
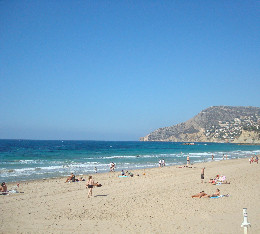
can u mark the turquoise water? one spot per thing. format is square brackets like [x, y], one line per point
[28, 160]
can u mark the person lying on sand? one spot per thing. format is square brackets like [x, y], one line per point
[184, 167]
[80, 179]
[129, 173]
[216, 194]
[219, 180]
[71, 178]
[200, 195]
[214, 182]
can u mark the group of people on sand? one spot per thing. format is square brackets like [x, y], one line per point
[90, 183]
[72, 178]
[216, 181]
[204, 195]
[253, 159]
[127, 173]
[161, 163]
[4, 191]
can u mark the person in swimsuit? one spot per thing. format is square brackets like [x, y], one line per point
[216, 194]
[202, 174]
[188, 160]
[3, 188]
[90, 185]
[71, 178]
[200, 195]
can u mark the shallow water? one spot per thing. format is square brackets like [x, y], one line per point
[28, 160]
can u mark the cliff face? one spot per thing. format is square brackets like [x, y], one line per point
[215, 124]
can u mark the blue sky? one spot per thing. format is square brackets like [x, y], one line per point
[117, 70]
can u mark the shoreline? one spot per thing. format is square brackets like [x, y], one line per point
[119, 171]
[58, 159]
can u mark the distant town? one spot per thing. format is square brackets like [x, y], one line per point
[233, 129]
[214, 124]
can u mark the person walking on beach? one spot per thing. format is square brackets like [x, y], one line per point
[90, 185]
[202, 174]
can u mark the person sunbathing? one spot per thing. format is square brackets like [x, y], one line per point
[215, 181]
[200, 195]
[80, 179]
[216, 194]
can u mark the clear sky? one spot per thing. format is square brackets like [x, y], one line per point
[117, 70]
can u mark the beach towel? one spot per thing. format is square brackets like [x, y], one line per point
[122, 176]
[227, 195]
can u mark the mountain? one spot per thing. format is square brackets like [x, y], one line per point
[235, 124]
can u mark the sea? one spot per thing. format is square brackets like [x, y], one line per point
[24, 160]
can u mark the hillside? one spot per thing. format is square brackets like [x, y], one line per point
[214, 124]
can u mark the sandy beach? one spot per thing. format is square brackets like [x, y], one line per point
[157, 202]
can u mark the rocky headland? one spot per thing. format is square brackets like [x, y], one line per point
[215, 124]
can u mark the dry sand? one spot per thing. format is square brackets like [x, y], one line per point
[157, 202]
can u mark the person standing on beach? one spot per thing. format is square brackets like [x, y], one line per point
[163, 163]
[188, 160]
[212, 157]
[223, 156]
[202, 174]
[90, 185]
[113, 167]
[226, 157]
